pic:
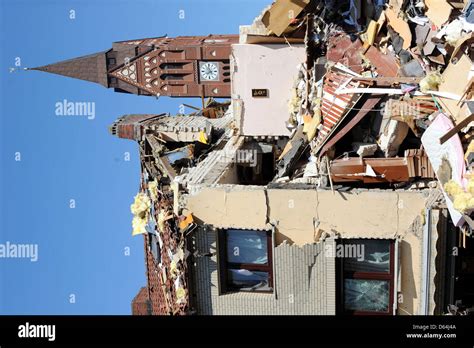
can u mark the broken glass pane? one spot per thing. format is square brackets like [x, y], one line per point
[244, 246]
[366, 295]
[246, 280]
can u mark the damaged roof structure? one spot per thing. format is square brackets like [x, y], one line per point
[335, 178]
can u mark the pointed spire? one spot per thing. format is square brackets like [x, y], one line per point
[91, 68]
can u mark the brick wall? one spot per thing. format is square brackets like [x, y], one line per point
[304, 282]
[141, 303]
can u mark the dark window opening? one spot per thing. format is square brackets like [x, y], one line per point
[172, 65]
[245, 261]
[459, 272]
[111, 61]
[171, 77]
[255, 164]
[154, 247]
[366, 276]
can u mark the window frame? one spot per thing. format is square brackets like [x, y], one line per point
[389, 277]
[224, 265]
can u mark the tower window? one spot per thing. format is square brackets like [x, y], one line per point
[171, 65]
[172, 77]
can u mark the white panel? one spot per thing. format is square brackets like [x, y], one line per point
[271, 67]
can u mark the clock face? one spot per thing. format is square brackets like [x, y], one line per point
[209, 71]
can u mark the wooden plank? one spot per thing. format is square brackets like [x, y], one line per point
[456, 129]
[388, 80]
[387, 170]
[262, 39]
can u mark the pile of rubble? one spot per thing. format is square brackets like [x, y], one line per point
[385, 96]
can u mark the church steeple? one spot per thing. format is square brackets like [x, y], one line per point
[91, 68]
[185, 66]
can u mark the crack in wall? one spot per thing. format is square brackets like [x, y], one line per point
[317, 205]
[267, 203]
[310, 268]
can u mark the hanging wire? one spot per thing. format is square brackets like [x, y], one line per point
[436, 103]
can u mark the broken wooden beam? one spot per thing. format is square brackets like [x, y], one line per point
[456, 129]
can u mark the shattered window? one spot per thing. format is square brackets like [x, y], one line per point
[366, 295]
[246, 260]
[367, 267]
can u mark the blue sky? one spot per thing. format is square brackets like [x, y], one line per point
[81, 250]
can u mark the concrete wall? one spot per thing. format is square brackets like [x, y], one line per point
[271, 67]
[300, 216]
[304, 282]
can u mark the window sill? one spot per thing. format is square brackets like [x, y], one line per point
[267, 295]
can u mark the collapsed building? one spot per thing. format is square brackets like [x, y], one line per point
[336, 178]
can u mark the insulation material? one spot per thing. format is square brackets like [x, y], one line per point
[140, 209]
[180, 295]
[153, 190]
[452, 152]
[463, 200]
[294, 102]
[431, 82]
[138, 226]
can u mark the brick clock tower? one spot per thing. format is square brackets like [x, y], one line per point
[185, 66]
